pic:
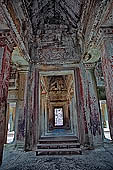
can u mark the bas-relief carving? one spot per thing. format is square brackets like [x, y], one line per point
[56, 46]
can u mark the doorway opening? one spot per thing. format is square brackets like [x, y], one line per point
[102, 100]
[58, 117]
[11, 111]
[105, 123]
[58, 114]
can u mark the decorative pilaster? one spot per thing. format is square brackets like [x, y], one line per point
[106, 48]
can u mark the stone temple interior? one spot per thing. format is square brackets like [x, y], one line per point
[56, 75]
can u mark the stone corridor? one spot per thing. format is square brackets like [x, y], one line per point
[56, 84]
[99, 159]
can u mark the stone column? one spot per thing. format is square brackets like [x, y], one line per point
[46, 118]
[106, 48]
[74, 117]
[5, 58]
[71, 115]
[7, 119]
[80, 92]
[31, 109]
[42, 115]
[66, 115]
[88, 113]
[20, 117]
[93, 104]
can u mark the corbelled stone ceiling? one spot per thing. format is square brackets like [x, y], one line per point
[55, 24]
[64, 12]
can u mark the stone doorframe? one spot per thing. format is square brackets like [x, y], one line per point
[81, 124]
[63, 104]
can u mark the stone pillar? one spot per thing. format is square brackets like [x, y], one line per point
[7, 119]
[74, 117]
[20, 117]
[46, 118]
[66, 115]
[93, 104]
[106, 48]
[42, 109]
[71, 115]
[80, 92]
[5, 58]
[31, 109]
[88, 113]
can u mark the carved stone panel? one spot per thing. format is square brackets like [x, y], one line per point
[56, 46]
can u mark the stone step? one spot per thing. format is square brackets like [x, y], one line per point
[66, 139]
[59, 145]
[58, 151]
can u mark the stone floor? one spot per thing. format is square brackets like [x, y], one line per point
[98, 159]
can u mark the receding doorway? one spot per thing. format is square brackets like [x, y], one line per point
[58, 117]
[58, 114]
